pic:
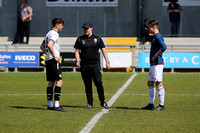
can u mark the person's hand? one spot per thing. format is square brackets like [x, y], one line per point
[153, 58]
[107, 65]
[57, 59]
[175, 10]
[78, 64]
[23, 19]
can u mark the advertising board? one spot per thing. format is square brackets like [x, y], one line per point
[172, 60]
[82, 3]
[19, 59]
[67, 59]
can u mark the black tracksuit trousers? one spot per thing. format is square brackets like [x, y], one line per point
[89, 73]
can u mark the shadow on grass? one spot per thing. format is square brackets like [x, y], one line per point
[127, 108]
[70, 106]
[81, 107]
[21, 107]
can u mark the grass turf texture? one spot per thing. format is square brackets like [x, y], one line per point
[24, 112]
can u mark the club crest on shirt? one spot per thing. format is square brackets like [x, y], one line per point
[83, 41]
[95, 40]
[153, 40]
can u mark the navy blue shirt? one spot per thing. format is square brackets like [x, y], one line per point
[89, 48]
[156, 45]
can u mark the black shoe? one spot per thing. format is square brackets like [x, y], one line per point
[160, 107]
[60, 109]
[105, 106]
[88, 106]
[148, 107]
[50, 108]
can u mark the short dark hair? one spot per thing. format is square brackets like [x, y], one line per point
[152, 23]
[25, 1]
[57, 21]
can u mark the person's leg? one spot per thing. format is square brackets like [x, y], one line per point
[50, 94]
[177, 25]
[27, 30]
[161, 93]
[57, 92]
[87, 79]
[97, 78]
[152, 90]
[173, 27]
[159, 85]
[50, 86]
[21, 33]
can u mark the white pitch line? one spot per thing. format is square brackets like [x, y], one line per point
[197, 95]
[95, 119]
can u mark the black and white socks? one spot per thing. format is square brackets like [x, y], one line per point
[57, 92]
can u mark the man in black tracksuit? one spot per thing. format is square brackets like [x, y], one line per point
[88, 59]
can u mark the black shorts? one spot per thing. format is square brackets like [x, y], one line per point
[53, 71]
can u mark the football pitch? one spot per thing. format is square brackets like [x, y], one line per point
[23, 104]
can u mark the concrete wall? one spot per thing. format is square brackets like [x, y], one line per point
[107, 21]
[121, 21]
[190, 18]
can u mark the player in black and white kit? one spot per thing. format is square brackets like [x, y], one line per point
[87, 49]
[51, 47]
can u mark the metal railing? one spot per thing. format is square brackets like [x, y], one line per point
[16, 47]
[143, 48]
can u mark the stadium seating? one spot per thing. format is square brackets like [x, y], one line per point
[179, 44]
[121, 42]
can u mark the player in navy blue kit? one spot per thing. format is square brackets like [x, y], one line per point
[156, 67]
[87, 49]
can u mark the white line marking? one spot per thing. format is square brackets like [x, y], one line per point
[95, 119]
[97, 94]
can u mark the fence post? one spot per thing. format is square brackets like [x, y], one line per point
[142, 51]
[16, 69]
[133, 58]
[172, 50]
[6, 48]
[74, 69]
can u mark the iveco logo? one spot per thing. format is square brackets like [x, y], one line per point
[25, 57]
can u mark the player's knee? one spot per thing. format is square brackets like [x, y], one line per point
[59, 83]
[51, 84]
[159, 84]
[98, 84]
[150, 83]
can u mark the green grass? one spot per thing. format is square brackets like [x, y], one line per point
[24, 112]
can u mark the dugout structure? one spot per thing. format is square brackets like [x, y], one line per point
[123, 44]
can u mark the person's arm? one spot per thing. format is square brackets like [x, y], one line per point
[77, 56]
[28, 16]
[50, 47]
[169, 10]
[42, 47]
[157, 54]
[106, 58]
[177, 10]
[30, 13]
[163, 47]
